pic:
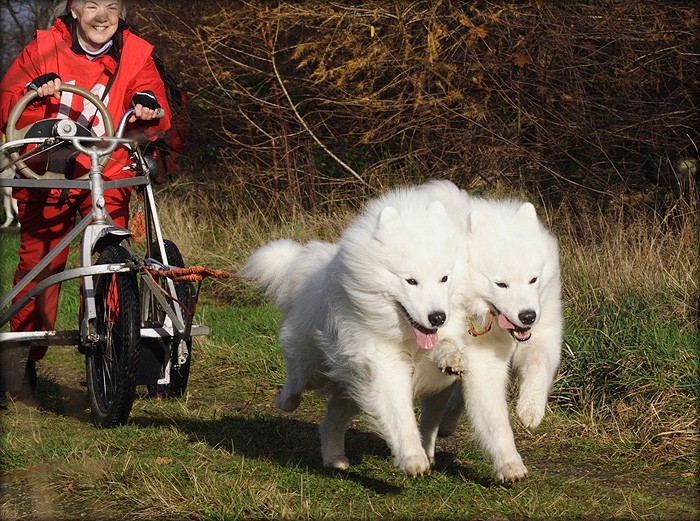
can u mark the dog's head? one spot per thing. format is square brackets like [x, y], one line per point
[511, 259]
[417, 254]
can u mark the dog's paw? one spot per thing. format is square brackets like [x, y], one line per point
[416, 465]
[512, 472]
[449, 359]
[530, 414]
[287, 403]
[337, 462]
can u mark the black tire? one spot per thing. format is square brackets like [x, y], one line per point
[154, 317]
[112, 363]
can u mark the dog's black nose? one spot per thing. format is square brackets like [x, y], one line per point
[527, 317]
[437, 318]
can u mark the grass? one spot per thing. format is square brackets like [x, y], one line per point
[619, 440]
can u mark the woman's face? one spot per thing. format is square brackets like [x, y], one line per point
[97, 21]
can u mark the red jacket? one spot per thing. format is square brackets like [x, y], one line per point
[50, 51]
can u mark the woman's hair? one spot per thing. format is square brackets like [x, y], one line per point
[62, 8]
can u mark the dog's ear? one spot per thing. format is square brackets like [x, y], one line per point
[386, 216]
[527, 212]
[437, 209]
[475, 220]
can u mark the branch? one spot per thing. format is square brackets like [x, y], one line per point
[306, 127]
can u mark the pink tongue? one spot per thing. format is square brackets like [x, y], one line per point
[505, 323]
[425, 340]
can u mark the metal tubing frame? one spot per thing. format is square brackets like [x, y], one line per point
[65, 242]
[94, 225]
[83, 184]
[174, 320]
[186, 329]
[57, 278]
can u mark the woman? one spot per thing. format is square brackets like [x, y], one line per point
[92, 47]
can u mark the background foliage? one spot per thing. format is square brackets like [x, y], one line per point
[598, 97]
[300, 105]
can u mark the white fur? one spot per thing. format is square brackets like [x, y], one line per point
[345, 328]
[9, 204]
[512, 269]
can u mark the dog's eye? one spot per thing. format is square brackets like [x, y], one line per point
[534, 279]
[444, 279]
[412, 282]
[502, 285]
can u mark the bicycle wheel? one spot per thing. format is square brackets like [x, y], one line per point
[112, 363]
[166, 348]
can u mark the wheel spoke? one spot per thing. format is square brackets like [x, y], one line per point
[113, 362]
[155, 316]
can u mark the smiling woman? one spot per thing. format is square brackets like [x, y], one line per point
[98, 21]
[88, 46]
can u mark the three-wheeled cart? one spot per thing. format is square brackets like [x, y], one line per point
[136, 322]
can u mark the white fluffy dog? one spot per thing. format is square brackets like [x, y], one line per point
[360, 318]
[512, 280]
[8, 203]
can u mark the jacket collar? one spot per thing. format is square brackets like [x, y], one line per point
[68, 28]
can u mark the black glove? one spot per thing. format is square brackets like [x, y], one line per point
[146, 99]
[41, 80]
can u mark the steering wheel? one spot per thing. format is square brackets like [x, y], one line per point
[46, 128]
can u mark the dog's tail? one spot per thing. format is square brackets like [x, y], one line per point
[271, 267]
[285, 268]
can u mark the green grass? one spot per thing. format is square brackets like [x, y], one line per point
[224, 452]
[619, 441]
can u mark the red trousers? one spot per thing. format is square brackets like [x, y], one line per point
[43, 225]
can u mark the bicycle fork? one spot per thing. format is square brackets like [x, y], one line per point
[96, 237]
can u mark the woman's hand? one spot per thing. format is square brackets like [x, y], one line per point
[46, 85]
[144, 113]
[146, 107]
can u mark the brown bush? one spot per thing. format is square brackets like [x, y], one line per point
[306, 103]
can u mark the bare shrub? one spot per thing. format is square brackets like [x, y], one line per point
[307, 104]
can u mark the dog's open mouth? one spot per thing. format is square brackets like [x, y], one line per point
[426, 338]
[521, 334]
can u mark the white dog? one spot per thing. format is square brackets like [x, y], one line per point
[8, 203]
[360, 318]
[356, 315]
[512, 280]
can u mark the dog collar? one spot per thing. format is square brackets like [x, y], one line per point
[474, 332]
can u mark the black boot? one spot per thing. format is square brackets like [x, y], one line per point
[27, 394]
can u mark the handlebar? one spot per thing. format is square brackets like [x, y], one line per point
[66, 130]
[122, 122]
[114, 141]
[51, 134]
